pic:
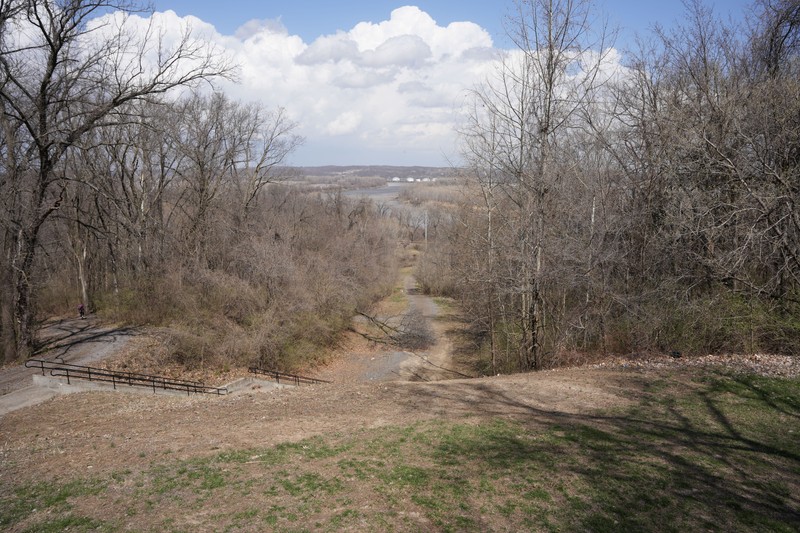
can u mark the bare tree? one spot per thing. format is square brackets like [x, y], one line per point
[652, 210]
[708, 123]
[226, 146]
[516, 138]
[62, 75]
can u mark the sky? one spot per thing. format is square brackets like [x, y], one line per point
[377, 81]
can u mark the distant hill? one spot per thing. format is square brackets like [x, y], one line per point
[383, 171]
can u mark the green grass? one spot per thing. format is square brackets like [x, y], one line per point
[53, 499]
[398, 296]
[718, 453]
[445, 305]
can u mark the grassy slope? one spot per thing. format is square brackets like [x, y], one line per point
[718, 453]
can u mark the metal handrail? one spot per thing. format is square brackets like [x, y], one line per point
[122, 377]
[293, 378]
[127, 374]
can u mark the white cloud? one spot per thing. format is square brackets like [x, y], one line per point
[255, 26]
[389, 90]
[410, 20]
[392, 85]
[362, 79]
[399, 51]
[334, 48]
[347, 122]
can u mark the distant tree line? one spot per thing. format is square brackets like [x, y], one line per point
[653, 208]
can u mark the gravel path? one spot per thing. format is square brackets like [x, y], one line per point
[75, 341]
[360, 361]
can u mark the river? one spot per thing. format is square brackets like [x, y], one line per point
[386, 194]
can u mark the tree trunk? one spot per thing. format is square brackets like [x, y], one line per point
[23, 304]
[80, 259]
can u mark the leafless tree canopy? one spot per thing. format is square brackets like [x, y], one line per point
[654, 208]
[127, 191]
[64, 82]
[649, 207]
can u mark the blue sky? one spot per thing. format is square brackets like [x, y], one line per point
[375, 81]
[312, 18]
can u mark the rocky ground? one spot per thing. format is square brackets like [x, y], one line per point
[770, 365]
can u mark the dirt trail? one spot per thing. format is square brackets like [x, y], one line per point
[362, 361]
[436, 363]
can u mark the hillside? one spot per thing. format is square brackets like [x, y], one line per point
[666, 446]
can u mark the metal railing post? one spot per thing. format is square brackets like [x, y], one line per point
[70, 371]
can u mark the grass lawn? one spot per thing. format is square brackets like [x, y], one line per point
[709, 452]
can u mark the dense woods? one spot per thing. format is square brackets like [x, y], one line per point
[649, 209]
[652, 207]
[152, 205]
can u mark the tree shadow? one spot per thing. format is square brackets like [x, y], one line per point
[667, 463]
[57, 338]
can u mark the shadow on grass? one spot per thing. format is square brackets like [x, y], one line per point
[720, 455]
[466, 347]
